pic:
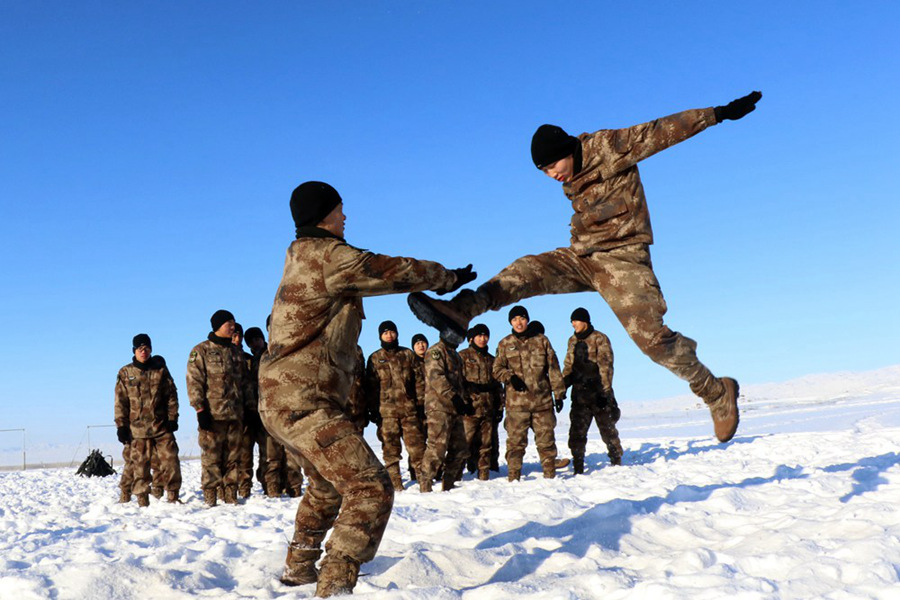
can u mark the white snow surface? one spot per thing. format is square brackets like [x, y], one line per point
[804, 503]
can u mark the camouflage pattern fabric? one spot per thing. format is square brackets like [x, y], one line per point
[250, 438]
[358, 405]
[348, 490]
[126, 481]
[163, 450]
[393, 429]
[220, 452]
[532, 358]
[145, 398]
[605, 415]
[589, 361]
[484, 391]
[446, 445]
[517, 424]
[218, 381]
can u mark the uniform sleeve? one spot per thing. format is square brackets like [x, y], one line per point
[171, 395]
[349, 271]
[605, 360]
[436, 376]
[556, 378]
[615, 150]
[570, 357]
[247, 388]
[196, 380]
[122, 414]
[501, 370]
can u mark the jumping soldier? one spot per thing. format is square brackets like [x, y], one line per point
[610, 247]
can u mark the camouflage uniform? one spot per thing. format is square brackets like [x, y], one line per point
[146, 400]
[610, 247]
[444, 380]
[358, 406]
[216, 382]
[126, 481]
[589, 368]
[484, 392]
[305, 381]
[252, 433]
[419, 368]
[531, 357]
[391, 386]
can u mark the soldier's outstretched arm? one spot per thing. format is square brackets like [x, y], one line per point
[351, 271]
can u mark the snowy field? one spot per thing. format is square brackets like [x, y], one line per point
[804, 503]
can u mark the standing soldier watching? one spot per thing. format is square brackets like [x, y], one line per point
[146, 416]
[252, 433]
[305, 380]
[419, 344]
[484, 392]
[588, 368]
[528, 367]
[391, 386]
[610, 247]
[218, 391]
[445, 406]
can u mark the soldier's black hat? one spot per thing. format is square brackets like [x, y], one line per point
[581, 314]
[550, 144]
[518, 311]
[537, 327]
[238, 328]
[253, 332]
[141, 339]
[417, 338]
[313, 201]
[480, 329]
[386, 326]
[219, 318]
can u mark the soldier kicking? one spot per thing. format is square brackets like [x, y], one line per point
[610, 247]
[305, 380]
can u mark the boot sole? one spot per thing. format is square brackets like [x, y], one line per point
[425, 311]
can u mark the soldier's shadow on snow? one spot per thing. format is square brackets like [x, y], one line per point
[604, 525]
[866, 473]
[649, 453]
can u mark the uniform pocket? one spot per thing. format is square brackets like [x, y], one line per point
[334, 432]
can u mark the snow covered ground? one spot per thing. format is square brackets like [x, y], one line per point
[804, 503]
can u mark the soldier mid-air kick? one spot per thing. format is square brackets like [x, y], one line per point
[305, 380]
[609, 250]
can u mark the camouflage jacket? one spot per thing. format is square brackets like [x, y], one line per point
[218, 380]
[317, 317]
[607, 194]
[443, 378]
[589, 365]
[391, 381]
[252, 400]
[531, 358]
[481, 386]
[419, 367]
[145, 398]
[357, 403]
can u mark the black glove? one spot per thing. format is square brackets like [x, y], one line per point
[252, 421]
[568, 380]
[463, 276]
[205, 420]
[172, 426]
[736, 109]
[518, 384]
[559, 404]
[375, 417]
[459, 404]
[124, 434]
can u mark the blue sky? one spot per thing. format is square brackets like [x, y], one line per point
[148, 152]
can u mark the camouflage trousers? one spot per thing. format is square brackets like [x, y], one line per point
[517, 424]
[624, 277]
[446, 446]
[479, 440]
[220, 453]
[409, 430]
[282, 470]
[249, 439]
[349, 489]
[161, 450]
[581, 415]
[126, 481]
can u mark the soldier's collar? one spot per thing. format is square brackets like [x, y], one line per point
[218, 340]
[143, 366]
[316, 232]
[585, 333]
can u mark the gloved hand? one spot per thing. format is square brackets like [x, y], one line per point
[375, 417]
[172, 426]
[736, 109]
[124, 434]
[558, 403]
[518, 384]
[205, 420]
[463, 276]
[568, 380]
[459, 405]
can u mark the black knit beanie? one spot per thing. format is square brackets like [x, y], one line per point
[311, 202]
[480, 329]
[418, 338]
[551, 143]
[518, 311]
[386, 326]
[254, 332]
[219, 318]
[238, 328]
[581, 314]
[537, 327]
[141, 339]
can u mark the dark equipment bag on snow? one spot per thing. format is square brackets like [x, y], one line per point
[95, 466]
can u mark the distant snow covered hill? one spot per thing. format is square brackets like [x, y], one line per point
[804, 503]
